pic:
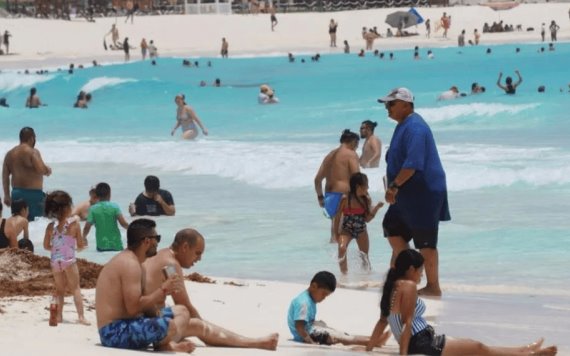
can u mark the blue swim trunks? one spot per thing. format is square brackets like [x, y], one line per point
[332, 200]
[35, 198]
[137, 333]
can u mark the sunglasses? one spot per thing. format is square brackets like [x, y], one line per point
[389, 104]
[156, 237]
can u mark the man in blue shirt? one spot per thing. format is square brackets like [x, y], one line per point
[417, 191]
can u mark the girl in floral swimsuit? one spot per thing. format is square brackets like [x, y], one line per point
[61, 238]
[356, 212]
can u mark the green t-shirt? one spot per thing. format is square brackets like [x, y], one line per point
[104, 216]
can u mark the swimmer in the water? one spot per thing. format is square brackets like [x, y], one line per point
[509, 87]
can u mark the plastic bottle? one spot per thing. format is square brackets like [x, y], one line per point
[53, 311]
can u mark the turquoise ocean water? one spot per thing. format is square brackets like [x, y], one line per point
[248, 186]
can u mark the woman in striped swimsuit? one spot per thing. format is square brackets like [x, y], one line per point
[403, 311]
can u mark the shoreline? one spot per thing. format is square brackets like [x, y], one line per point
[263, 305]
[183, 35]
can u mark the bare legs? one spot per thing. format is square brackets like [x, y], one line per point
[431, 263]
[363, 245]
[334, 229]
[360, 339]
[214, 335]
[172, 340]
[472, 347]
[69, 278]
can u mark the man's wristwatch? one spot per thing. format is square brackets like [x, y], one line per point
[393, 185]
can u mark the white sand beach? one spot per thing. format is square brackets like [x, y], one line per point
[254, 309]
[43, 43]
[260, 307]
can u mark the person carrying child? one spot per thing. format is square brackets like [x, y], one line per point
[62, 237]
[356, 208]
[303, 310]
[105, 215]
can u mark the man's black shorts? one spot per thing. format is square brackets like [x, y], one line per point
[394, 224]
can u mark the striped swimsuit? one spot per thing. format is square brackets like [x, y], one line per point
[418, 322]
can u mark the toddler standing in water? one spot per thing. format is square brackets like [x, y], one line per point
[356, 212]
[61, 238]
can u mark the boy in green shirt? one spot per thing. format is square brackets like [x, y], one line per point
[104, 215]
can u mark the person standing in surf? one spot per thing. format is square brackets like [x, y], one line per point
[337, 168]
[187, 119]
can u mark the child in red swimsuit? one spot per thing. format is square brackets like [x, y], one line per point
[356, 212]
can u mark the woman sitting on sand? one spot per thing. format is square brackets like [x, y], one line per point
[402, 309]
[187, 119]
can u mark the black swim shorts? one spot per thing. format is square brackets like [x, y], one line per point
[395, 225]
[321, 337]
[426, 342]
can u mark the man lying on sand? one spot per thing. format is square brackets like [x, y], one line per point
[187, 249]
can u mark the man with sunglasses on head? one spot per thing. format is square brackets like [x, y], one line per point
[126, 317]
[417, 191]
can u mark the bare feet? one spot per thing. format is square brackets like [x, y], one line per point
[269, 342]
[83, 321]
[535, 346]
[547, 351]
[428, 291]
[182, 346]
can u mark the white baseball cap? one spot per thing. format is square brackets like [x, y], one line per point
[403, 94]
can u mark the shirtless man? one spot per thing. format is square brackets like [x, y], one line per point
[336, 169]
[225, 46]
[186, 250]
[369, 38]
[126, 317]
[27, 169]
[372, 148]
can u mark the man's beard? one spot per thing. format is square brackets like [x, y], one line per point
[151, 252]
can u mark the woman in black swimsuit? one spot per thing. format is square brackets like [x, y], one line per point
[332, 32]
[509, 87]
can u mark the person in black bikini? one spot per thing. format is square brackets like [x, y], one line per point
[332, 32]
[509, 87]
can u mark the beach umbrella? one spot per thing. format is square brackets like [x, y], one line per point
[499, 6]
[415, 12]
[402, 19]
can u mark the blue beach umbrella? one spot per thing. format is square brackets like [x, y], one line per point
[415, 12]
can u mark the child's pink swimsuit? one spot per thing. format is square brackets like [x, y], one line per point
[62, 248]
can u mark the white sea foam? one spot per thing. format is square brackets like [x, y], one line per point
[479, 166]
[11, 80]
[294, 165]
[450, 112]
[104, 82]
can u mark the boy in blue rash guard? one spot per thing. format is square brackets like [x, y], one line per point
[303, 310]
